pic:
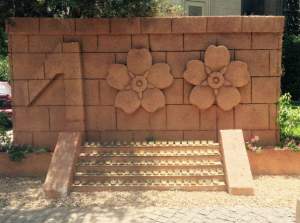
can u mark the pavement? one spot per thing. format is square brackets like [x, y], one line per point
[149, 214]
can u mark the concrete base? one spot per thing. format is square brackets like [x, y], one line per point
[61, 169]
[236, 164]
[298, 212]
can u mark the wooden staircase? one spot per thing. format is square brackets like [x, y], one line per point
[166, 165]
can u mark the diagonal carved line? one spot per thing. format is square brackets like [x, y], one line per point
[33, 100]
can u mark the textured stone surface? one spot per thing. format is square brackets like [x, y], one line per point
[128, 101]
[202, 97]
[60, 173]
[36, 57]
[216, 57]
[239, 178]
[195, 72]
[139, 61]
[228, 97]
[118, 77]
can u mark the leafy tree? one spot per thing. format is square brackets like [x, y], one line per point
[292, 14]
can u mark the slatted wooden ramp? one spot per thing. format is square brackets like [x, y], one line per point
[167, 165]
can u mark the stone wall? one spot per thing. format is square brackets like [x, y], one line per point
[59, 70]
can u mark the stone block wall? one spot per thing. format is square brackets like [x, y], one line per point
[59, 69]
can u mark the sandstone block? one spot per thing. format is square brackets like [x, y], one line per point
[174, 94]
[18, 44]
[178, 61]
[73, 92]
[121, 58]
[187, 88]
[228, 24]
[101, 118]
[23, 25]
[258, 61]
[238, 173]
[265, 89]
[159, 57]
[225, 119]
[116, 43]
[107, 93]
[156, 25]
[189, 24]
[109, 136]
[45, 139]
[252, 116]
[158, 119]
[199, 41]
[53, 65]
[88, 43]
[45, 44]
[91, 92]
[235, 41]
[74, 113]
[57, 26]
[57, 118]
[266, 41]
[246, 93]
[31, 119]
[208, 119]
[167, 42]
[28, 66]
[23, 138]
[125, 25]
[60, 173]
[42, 93]
[93, 136]
[268, 24]
[72, 67]
[273, 110]
[182, 117]
[275, 63]
[140, 41]
[200, 135]
[266, 137]
[20, 93]
[95, 65]
[140, 120]
[92, 26]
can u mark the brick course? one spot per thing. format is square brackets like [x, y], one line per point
[81, 98]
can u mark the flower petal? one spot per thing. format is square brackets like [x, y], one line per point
[237, 74]
[202, 97]
[153, 99]
[118, 77]
[195, 72]
[128, 101]
[216, 57]
[228, 97]
[159, 76]
[139, 61]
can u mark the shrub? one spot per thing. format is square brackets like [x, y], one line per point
[5, 122]
[288, 118]
[4, 69]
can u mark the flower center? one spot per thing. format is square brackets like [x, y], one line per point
[215, 80]
[139, 84]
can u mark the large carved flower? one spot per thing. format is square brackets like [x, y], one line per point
[139, 83]
[217, 79]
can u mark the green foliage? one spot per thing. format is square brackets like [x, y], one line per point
[288, 118]
[292, 14]
[17, 152]
[5, 122]
[4, 69]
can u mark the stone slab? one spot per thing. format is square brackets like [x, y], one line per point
[60, 172]
[236, 164]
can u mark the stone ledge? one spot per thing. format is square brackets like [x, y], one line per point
[61, 169]
[236, 164]
[211, 24]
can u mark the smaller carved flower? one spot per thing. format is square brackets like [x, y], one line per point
[217, 79]
[139, 83]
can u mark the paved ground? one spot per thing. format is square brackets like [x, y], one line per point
[151, 214]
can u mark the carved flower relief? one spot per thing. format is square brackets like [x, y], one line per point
[139, 83]
[217, 79]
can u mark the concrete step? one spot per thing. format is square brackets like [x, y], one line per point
[150, 184]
